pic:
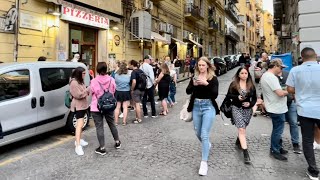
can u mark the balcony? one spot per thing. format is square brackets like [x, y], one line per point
[263, 38]
[258, 30]
[156, 1]
[231, 10]
[230, 33]
[213, 26]
[192, 12]
[258, 18]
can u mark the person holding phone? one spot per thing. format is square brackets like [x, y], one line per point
[243, 95]
[204, 90]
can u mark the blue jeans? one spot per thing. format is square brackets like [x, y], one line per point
[292, 118]
[172, 93]
[203, 115]
[277, 131]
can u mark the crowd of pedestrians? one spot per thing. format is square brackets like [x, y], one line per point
[259, 85]
[132, 85]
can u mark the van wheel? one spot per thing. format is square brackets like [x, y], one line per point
[71, 122]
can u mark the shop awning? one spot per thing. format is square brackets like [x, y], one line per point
[179, 41]
[157, 37]
[196, 43]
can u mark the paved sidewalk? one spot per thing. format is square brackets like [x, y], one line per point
[165, 148]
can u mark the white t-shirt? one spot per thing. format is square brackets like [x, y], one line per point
[148, 70]
[274, 103]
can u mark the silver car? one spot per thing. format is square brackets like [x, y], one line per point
[32, 99]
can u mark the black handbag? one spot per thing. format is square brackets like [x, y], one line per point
[226, 107]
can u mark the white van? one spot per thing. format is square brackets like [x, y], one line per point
[32, 99]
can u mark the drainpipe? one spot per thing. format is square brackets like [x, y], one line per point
[182, 21]
[15, 52]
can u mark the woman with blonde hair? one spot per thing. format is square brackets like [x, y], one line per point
[122, 78]
[163, 82]
[203, 88]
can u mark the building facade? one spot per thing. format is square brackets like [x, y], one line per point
[296, 24]
[251, 28]
[100, 30]
[269, 39]
[57, 29]
[231, 20]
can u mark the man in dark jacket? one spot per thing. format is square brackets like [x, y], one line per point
[242, 60]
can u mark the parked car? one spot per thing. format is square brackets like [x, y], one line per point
[220, 65]
[234, 60]
[228, 62]
[32, 99]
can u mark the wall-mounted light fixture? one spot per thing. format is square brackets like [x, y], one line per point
[54, 11]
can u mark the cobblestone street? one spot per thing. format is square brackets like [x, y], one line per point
[160, 148]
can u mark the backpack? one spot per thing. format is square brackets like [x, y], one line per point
[107, 102]
[226, 107]
[67, 99]
[142, 81]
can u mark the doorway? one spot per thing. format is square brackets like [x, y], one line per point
[173, 51]
[83, 41]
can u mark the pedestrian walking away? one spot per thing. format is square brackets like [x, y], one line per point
[243, 97]
[177, 65]
[103, 80]
[137, 91]
[149, 92]
[79, 105]
[204, 90]
[186, 66]
[172, 87]
[163, 82]
[276, 104]
[122, 79]
[303, 81]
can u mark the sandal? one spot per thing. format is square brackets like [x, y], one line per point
[135, 121]
[162, 114]
[139, 120]
[124, 123]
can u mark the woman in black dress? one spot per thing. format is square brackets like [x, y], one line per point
[243, 95]
[163, 82]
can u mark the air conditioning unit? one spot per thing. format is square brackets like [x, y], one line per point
[169, 28]
[186, 34]
[162, 27]
[148, 5]
[168, 38]
[141, 25]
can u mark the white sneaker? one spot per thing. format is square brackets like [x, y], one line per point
[79, 150]
[121, 115]
[82, 143]
[203, 168]
[316, 145]
[156, 102]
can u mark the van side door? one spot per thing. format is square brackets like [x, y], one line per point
[52, 112]
[18, 103]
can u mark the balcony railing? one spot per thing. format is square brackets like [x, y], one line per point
[231, 10]
[213, 25]
[192, 12]
[232, 34]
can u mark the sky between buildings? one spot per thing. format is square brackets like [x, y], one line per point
[268, 5]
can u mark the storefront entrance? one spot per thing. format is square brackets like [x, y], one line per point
[83, 40]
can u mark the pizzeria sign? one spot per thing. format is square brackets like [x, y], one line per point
[83, 15]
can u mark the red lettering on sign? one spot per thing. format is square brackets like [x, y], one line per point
[91, 17]
[85, 16]
[97, 19]
[106, 21]
[72, 10]
[66, 10]
[78, 14]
